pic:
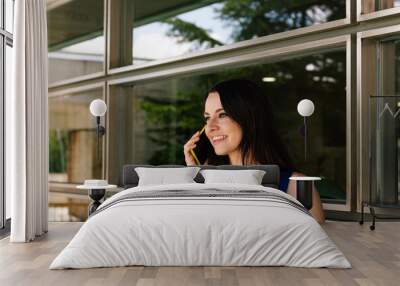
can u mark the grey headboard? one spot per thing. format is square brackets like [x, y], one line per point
[271, 178]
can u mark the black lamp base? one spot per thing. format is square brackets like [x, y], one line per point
[96, 195]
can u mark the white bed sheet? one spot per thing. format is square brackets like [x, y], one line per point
[200, 232]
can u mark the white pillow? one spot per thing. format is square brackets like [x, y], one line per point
[162, 176]
[248, 177]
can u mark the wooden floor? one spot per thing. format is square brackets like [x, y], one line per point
[375, 257]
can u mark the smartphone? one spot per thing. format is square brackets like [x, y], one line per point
[203, 148]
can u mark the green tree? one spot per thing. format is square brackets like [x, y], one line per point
[58, 148]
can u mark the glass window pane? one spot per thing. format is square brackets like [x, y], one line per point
[73, 154]
[9, 15]
[172, 28]
[369, 6]
[389, 73]
[75, 38]
[385, 139]
[387, 4]
[8, 70]
[385, 145]
[72, 138]
[159, 117]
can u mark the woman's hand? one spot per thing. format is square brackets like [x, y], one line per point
[190, 144]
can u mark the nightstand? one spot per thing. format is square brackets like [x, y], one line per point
[304, 189]
[96, 192]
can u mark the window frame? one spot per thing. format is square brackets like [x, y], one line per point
[226, 48]
[6, 39]
[76, 90]
[353, 27]
[264, 56]
[111, 18]
[375, 14]
[92, 76]
[367, 85]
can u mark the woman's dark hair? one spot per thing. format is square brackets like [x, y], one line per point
[243, 101]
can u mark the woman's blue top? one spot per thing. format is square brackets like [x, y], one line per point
[285, 174]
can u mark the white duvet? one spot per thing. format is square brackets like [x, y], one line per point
[200, 231]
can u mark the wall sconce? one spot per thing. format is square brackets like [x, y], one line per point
[305, 108]
[98, 108]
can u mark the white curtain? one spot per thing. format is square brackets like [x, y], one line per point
[26, 123]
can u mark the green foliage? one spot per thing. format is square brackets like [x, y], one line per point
[175, 121]
[256, 18]
[58, 151]
[188, 32]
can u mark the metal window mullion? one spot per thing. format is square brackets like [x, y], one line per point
[3, 13]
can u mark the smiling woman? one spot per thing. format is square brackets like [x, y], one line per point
[152, 121]
[240, 126]
[227, 139]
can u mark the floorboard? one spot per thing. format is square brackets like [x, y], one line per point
[374, 255]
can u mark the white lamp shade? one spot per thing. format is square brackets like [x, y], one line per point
[98, 107]
[305, 107]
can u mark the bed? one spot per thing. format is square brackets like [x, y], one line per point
[201, 224]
